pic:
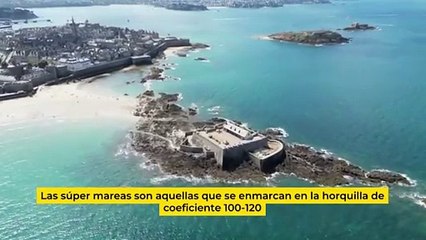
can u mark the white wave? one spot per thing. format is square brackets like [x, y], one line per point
[412, 182]
[126, 149]
[274, 177]
[147, 85]
[282, 132]
[15, 128]
[319, 45]
[191, 179]
[148, 165]
[180, 97]
[304, 179]
[416, 197]
[214, 109]
[165, 178]
[193, 105]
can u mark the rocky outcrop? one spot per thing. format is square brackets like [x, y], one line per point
[358, 27]
[387, 176]
[184, 51]
[310, 37]
[192, 111]
[149, 93]
[169, 97]
[324, 168]
[155, 73]
[201, 59]
[199, 46]
[159, 134]
[274, 132]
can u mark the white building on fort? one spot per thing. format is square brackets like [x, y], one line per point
[232, 143]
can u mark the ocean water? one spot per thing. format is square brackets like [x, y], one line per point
[364, 101]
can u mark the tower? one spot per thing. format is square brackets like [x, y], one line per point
[74, 29]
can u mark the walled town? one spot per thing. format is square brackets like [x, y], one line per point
[31, 57]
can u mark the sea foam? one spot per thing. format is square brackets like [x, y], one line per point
[415, 197]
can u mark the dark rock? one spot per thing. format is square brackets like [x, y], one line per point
[359, 27]
[166, 97]
[388, 177]
[201, 59]
[323, 168]
[182, 53]
[149, 93]
[199, 46]
[155, 73]
[173, 108]
[192, 111]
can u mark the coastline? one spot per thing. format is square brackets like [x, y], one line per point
[74, 101]
[173, 51]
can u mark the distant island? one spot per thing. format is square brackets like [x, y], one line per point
[310, 37]
[358, 27]
[16, 13]
[273, 4]
[186, 7]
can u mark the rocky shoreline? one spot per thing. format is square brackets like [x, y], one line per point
[310, 37]
[161, 130]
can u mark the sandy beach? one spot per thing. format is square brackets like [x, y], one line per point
[68, 102]
[172, 51]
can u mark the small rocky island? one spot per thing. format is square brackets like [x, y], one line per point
[358, 27]
[310, 37]
[186, 7]
[16, 13]
[169, 135]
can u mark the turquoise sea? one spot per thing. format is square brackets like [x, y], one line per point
[364, 101]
